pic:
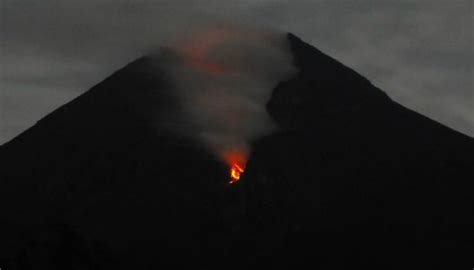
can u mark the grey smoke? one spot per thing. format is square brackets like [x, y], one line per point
[224, 94]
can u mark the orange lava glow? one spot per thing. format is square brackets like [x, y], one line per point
[236, 161]
[235, 172]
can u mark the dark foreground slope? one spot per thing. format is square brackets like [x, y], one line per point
[350, 179]
[353, 178]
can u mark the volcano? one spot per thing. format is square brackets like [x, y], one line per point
[349, 179]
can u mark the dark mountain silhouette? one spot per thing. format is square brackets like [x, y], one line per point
[355, 179]
[351, 179]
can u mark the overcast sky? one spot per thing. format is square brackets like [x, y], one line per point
[419, 52]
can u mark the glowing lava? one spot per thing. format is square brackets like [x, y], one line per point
[236, 159]
[235, 172]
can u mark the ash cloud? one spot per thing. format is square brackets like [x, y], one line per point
[224, 77]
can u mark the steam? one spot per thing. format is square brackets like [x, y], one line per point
[224, 78]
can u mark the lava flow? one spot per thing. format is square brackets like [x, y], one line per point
[235, 172]
[236, 160]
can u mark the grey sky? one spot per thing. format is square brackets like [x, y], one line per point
[419, 52]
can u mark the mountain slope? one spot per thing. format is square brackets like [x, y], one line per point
[362, 180]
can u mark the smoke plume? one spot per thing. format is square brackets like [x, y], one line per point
[224, 76]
